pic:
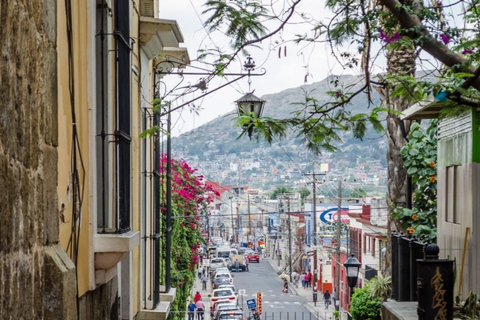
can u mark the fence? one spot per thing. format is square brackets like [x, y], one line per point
[405, 252]
[274, 315]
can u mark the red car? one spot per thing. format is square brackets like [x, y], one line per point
[253, 256]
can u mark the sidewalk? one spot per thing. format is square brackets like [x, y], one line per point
[197, 286]
[317, 310]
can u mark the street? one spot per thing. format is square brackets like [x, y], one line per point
[276, 305]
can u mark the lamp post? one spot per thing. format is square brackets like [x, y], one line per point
[352, 265]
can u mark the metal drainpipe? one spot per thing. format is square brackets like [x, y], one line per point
[102, 133]
[168, 243]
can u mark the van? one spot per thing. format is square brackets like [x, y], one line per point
[223, 252]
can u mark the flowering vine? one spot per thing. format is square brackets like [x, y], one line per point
[190, 198]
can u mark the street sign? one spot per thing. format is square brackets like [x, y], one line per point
[310, 253]
[242, 292]
[251, 304]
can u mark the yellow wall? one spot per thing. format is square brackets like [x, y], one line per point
[82, 104]
[136, 152]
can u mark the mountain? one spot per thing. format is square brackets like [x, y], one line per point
[214, 148]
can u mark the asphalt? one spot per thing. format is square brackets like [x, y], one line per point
[318, 309]
[306, 296]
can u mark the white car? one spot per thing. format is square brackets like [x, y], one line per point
[223, 275]
[230, 286]
[216, 263]
[223, 294]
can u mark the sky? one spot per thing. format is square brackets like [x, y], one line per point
[286, 70]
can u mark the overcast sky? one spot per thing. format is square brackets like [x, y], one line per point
[312, 63]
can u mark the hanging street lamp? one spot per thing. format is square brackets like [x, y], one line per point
[352, 265]
[249, 104]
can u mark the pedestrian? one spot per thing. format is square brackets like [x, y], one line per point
[247, 262]
[309, 279]
[191, 310]
[326, 297]
[304, 281]
[237, 265]
[200, 309]
[204, 281]
[285, 286]
[334, 298]
[197, 297]
[296, 278]
[200, 272]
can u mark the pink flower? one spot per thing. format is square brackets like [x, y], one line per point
[444, 38]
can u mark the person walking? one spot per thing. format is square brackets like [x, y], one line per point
[237, 265]
[200, 272]
[204, 281]
[197, 297]
[334, 298]
[304, 276]
[285, 286]
[191, 310]
[200, 309]
[247, 262]
[326, 297]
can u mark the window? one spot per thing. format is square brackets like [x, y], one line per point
[113, 118]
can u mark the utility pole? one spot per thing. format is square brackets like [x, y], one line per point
[231, 218]
[315, 257]
[289, 238]
[249, 221]
[280, 210]
[238, 225]
[339, 224]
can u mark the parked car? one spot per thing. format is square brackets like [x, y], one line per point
[226, 308]
[253, 256]
[231, 286]
[214, 305]
[231, 315]
[217, 263]
[217, 282]
[213, 273]
[225, 275]
[223, 294]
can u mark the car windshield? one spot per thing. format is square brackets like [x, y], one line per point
[223, 275]
[222, 293]
[217, 260]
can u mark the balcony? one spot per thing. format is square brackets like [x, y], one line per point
[162, 310]
[110, 249]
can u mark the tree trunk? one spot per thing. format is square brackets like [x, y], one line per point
[400, 61]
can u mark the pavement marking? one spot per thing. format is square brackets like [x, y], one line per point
[296, 302]
[287, 302]
[276, 301]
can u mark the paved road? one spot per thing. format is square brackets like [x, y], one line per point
[276, 305]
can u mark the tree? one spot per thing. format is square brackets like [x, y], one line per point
[399, 27]
[280, 190]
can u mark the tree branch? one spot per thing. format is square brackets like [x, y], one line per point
[428, 43]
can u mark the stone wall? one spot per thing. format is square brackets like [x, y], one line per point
[29, 256]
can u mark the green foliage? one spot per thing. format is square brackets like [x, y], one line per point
[420, 160]
[244, 19]
[280, 190]
[381, 287]
[364, 306]
[304, 192]
[190, 198]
